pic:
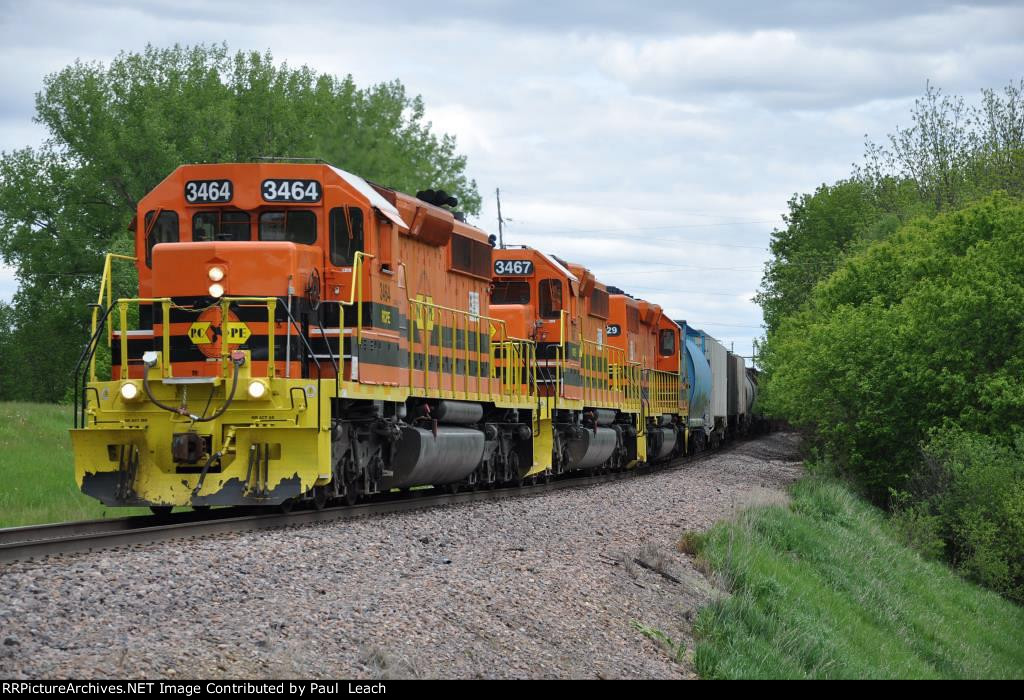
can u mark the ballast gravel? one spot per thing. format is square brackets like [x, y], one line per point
[556, 585]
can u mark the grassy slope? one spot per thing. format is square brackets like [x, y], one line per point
[822, 590]
[37, 479]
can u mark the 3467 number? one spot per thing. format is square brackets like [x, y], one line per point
[291, 190]
[513, 267]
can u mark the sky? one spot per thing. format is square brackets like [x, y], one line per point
[655, 142]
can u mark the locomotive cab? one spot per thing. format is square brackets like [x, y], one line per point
[538, 298]
[652, 340]
[301, 233]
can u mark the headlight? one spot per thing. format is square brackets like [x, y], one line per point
[129, 392]
[216, 274]
[216, 290]
[257, 389]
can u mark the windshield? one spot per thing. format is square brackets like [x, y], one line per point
[295, 225]
[510, 293]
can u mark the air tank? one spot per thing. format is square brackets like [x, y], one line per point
[459, 412]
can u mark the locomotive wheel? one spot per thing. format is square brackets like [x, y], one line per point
[286, 505]
[319, 497]
[351, 493]
[161, 511]
[452, 488]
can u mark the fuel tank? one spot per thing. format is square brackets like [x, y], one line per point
[591, 447]
[425, 458]
[661, 442]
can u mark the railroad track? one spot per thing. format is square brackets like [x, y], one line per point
[33, 541]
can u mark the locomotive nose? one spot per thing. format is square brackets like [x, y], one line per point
[213, 269]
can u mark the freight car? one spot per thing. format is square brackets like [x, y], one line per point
[301, 334]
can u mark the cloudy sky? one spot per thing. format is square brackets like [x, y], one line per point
[656, 142]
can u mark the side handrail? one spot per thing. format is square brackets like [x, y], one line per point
[107, 290]
[88, 352]
[353, 296]
[309, 353]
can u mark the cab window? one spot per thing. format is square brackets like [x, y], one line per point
[163, 230]
[550, 292]
[221, 226]
[668, 342]
[295, 225]
[509, 292]
[346, 235]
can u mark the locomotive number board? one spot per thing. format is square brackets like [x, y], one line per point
[613, 330]
[208, 191]
[291, 191]
[513, 268]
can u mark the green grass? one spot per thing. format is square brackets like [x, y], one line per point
[37, 476]
[822, 589]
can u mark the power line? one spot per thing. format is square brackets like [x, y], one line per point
[678, 268]
[700, 292]
[645, 228]
[719, 323]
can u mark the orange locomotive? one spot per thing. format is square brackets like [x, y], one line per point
[610, 397]
[305, 335]
[302, 334]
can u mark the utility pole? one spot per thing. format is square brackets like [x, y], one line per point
[501, 222]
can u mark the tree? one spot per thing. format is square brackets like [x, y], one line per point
[115, 131]
[919, 329]
[819, 228]
[1000, 125]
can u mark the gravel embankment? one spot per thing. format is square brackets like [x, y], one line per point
[542, 586]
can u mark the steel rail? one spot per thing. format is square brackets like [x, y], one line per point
[34, 541]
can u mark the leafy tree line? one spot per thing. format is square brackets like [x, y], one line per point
[115, 131]
[894, 303]
[950, 155]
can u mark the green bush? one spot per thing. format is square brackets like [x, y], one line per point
[910, 332]
[979, 501]
[918, 527]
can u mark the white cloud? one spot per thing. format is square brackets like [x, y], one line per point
[640, 141]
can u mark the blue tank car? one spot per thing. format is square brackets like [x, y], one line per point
[698, 372]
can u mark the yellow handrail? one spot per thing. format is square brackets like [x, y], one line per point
[603, 380]
[167, 304]
[662, 391]
[427, 317]
[106, 290]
